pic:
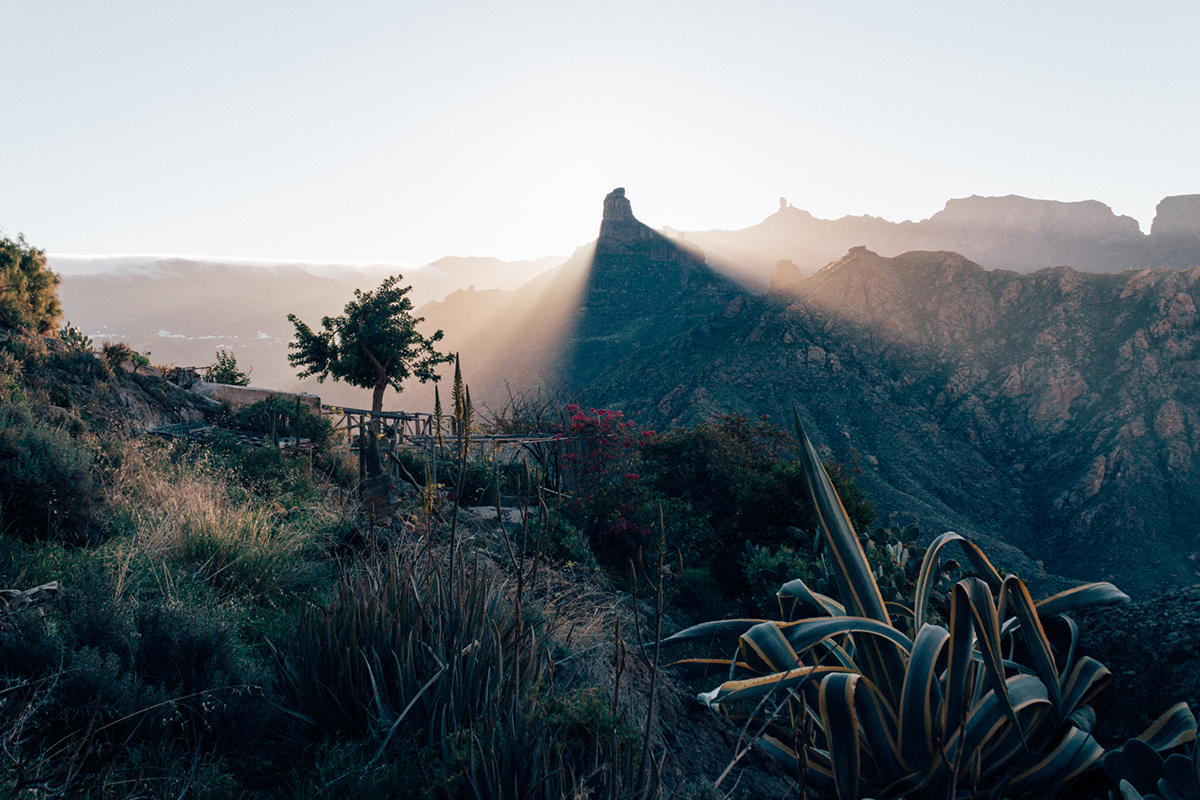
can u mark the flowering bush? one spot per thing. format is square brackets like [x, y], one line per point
[611, 502]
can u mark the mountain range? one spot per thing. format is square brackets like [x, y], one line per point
[1053, 414]
[976, 385]
[1012, 232]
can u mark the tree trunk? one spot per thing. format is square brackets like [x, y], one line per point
[371, 451]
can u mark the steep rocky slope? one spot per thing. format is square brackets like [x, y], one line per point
[1055, 411]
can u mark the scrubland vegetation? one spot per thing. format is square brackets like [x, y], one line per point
[208, 619]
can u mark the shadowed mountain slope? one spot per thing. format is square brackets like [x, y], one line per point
[630, 289]
[1056, 411]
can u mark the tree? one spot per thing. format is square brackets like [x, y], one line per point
[225, 370]
[28, 288]
[373, 345]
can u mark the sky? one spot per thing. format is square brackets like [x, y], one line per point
[400, 132]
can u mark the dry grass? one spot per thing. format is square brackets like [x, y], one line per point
[184, 514]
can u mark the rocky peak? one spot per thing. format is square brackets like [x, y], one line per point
[620, 231]
[622, 234]
[1177, 216]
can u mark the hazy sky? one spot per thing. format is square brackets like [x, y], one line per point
[403, 131]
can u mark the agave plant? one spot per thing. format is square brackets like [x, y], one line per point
[870, 698]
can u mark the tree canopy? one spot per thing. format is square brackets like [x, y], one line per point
[373, 345]
[28, 288]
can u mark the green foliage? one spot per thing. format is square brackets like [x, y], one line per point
[47, 489]
[102, 674]
[116, 353]
[286, 419]
[28, 288]
[742, 485]
[225, 370]
[400, 650]
[612, 503]
[840, 694]
[373, 345]
[74, 338]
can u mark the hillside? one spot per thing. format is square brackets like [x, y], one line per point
[1055, 411]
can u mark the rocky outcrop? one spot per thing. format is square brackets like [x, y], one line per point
[1177, 216]
[786, 273]
[1175, 235]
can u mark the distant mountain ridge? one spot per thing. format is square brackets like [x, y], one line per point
[1012, 232]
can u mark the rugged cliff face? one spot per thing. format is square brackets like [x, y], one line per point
[1055, 411]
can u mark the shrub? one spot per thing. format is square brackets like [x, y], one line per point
[740, 485]
[186, 510]
[401, 650]
[225, 370]
[28, 288]
[47, 489]
[286, 419]
[611, 503]
[117, 353]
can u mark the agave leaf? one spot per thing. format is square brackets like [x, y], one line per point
[806, 633]
[840, 720]
[879, 726]
[983, 724]
[962, 638]
[1084, 683]
[978, 598]
[724, 628]
[852, 571]
[767, 650]
[820, 775]
[1036, 640]
[881, 663]
[754, 688]
[1083, 718]
[797, 590]
[1176, 726]
[1076, 752]
[927, 578]
[1086, 596]
[921, 698]
[692, 668]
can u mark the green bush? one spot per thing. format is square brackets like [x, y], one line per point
[225, 370]
[110, 673]
[116, 353]
[28, 288]
[739, 485]
[286, 418]
[47, 488]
